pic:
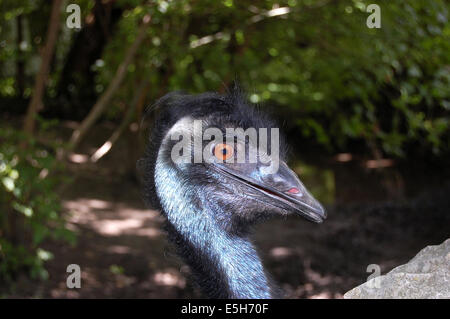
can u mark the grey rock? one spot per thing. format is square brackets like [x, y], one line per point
[427, 275]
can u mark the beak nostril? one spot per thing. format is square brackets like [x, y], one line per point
[293, 190]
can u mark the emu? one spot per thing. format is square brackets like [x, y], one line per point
[210, 206]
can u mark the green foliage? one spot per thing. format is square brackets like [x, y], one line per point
[330, 76]
[335, 79]
[29, 206]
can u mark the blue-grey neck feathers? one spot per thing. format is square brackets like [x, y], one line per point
[226, 265]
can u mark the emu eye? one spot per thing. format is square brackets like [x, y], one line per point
[223, 151]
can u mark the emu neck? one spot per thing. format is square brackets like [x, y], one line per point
[225, 265]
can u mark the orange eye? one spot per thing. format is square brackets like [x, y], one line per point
[223, 151]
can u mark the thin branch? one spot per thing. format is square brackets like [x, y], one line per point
[103, 101]
[277, 12]
[106, 147]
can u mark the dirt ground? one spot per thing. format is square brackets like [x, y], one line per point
[123, 253]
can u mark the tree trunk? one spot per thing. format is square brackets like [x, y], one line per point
[41, 78]
[103, 101]
[76, 86]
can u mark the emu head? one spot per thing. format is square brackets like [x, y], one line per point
[219, 156]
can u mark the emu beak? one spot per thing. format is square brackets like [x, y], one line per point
[287, 187]
[283, 186]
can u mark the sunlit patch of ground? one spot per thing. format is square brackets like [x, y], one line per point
[113, 219]
[121, 247]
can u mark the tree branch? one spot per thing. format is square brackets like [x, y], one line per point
[106, 147]
[277, 12]
[103, 101]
